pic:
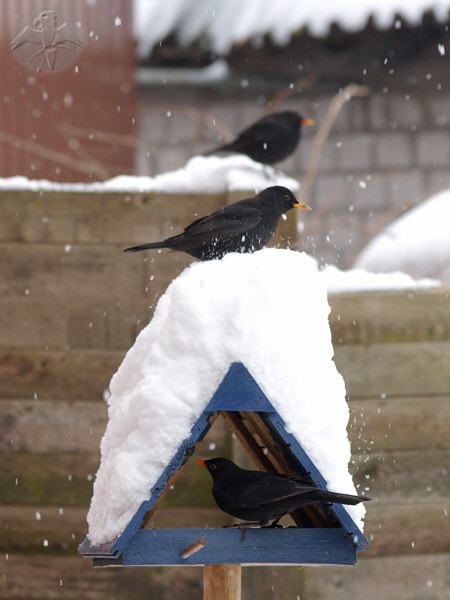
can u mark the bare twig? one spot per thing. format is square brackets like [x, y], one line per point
[52, 155]
[105, 137]
[289, 91]
[321, 136]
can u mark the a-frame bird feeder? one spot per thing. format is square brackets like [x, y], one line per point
[322, 535]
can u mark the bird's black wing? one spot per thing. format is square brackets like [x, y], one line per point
[260, 133]
[227, 222]
[270, 488]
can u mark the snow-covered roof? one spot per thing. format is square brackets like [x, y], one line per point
[221, 24]
[268, 310]
[417, 243]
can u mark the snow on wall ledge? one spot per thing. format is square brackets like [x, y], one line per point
[200, 175]
[268, 310]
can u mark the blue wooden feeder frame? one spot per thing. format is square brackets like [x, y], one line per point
[323, 535]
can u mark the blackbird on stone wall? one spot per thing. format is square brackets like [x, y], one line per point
[270, 140]
[244, 226]
[260, 497]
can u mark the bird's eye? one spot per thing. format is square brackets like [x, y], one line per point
[286, 198]
[212, 467]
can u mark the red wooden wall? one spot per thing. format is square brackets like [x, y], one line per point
[50, 122]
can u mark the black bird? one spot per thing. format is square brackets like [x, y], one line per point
[244, 226]
[270, 140]
[260, 497]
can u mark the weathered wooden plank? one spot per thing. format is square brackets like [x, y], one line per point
[393, 530]
[46, 426]
[389, 370]
[407, 528]
[403, 477]
[59, 528]
[95, 319]
[390, 316]
[35, 577]
[392, 424]
[47, 479]
[370, 372]
[413, 577]
[67, 375]
[66, 479]
[88, 322]
[88, 271]
[91, 218]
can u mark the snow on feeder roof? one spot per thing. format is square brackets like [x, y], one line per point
[266, 311]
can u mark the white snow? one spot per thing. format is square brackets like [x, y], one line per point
[221, 24]
[201, 174]
[359, 280]
[268, 310]
[417, 243]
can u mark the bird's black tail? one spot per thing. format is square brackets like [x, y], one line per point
[149, 246]
[341, 498]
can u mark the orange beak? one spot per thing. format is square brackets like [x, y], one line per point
[201, 462]
[307, 121]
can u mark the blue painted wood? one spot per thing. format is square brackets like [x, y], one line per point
[342, 515]
[227, 546]
[186, 449]
[237, 392]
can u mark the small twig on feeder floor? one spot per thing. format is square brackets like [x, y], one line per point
[324, 131]
[193, 548]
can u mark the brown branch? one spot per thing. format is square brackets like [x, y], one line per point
[55, 156]
[105, 137]
[321, 136]
[289, 91]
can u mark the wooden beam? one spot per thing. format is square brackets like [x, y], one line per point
[222, 582]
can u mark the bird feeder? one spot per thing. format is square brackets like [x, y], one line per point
[322, 535]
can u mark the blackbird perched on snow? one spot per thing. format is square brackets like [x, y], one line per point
[260, 497]
[244, 226]
[270, 140]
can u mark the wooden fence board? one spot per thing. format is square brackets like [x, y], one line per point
[412, 577]
[390, 316]
[32, 577]
[407, 528]
[419, 369]
[56, 426]
[392, 424]
[406, 477]
[379, 370]
[92, 218]
[68, 375]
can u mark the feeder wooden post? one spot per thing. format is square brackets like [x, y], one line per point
[222, 582]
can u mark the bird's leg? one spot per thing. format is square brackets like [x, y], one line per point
[275, 524]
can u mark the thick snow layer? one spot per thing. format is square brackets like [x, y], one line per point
[417, 243]
[201, 174]
[268, 310]
[221, 24]
[358, 280]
